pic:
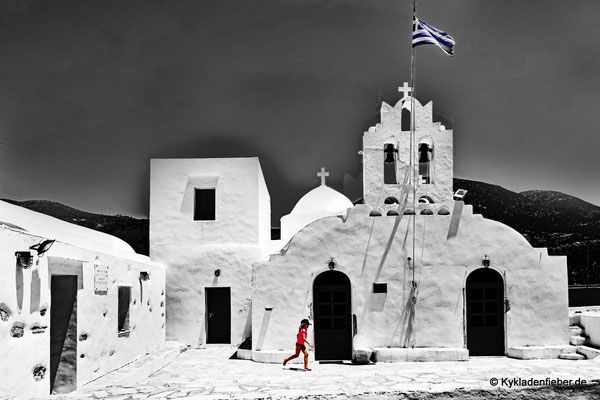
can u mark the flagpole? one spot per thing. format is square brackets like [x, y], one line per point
[412, 140]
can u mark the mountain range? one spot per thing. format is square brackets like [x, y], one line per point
[565, 224]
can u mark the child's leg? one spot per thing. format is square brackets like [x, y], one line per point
[293, 356]
[306, 359]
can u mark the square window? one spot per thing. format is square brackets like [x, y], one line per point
[380, 288]
[204, 204]
[124, 304]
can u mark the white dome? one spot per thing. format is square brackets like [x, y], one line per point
[322, 199]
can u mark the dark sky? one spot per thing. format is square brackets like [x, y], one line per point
[91, 90]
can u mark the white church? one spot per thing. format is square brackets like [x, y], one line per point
[411, 274]
[383, 280]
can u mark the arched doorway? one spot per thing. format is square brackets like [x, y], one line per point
[332, 316]
[485, 313]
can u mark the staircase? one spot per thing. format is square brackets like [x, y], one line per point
[579, 349]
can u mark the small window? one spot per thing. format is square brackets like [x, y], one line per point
[391, 200]
[124, 304]
[380, 288]
[406, 120]
[204, 204]
[426, 200]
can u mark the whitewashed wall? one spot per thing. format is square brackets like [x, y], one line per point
[99, 348]
[193, 250]
[535, 284]
[390, 131]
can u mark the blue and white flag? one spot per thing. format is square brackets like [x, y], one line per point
[427, 34]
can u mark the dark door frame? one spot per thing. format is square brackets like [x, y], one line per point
[333, 280]
[228, 314]
[485, 278]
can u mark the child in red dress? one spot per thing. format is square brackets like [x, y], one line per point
[300, 341]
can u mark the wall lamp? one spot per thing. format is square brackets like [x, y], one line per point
[331, 263]
[24, 259]
[42, 247]
[144, 276]
[217, 272]
[486, 261]
[459, 194]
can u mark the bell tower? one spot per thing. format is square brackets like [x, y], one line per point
[387, 154]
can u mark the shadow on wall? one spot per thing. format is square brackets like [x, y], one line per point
[404, 329]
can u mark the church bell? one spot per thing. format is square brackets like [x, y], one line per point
[389, 153]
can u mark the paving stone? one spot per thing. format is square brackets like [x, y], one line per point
[100, 394]
[118, 391]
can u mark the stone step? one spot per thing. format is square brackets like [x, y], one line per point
[571, 356]
[589, 352]
[577, 340]
[575, 330]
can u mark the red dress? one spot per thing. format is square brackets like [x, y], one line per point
[300, 338]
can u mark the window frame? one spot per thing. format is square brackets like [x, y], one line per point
[196, 189]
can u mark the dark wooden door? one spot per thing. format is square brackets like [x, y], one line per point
[485, 313]
[218, 315]
[332, 316]
[63, 333]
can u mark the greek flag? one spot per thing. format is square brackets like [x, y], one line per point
[427, 34]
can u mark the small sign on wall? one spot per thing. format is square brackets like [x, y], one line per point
[100, 279]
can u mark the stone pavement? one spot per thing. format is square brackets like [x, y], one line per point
[209, 374]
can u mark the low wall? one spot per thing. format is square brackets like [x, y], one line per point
[590, 322]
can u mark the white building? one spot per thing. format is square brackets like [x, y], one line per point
[472, 285]
[75, 304]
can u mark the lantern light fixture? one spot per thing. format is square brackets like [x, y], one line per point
[24, 259]
[331, 263]
[486, 261]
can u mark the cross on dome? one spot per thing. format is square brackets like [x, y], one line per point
[323, 174]
[405, 89]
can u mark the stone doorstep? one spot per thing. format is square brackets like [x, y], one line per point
[571, 356]
[244, 354]
[139, 370]
[384, 354]
[539, 352]
[589, 352]
[277, 356]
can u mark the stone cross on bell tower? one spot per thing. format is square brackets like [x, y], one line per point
[405, 89]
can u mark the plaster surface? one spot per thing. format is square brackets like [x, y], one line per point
[375, 249]
[99, 347]
[590, 321]
[193, 250]
[390, 131]
[320, 202]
